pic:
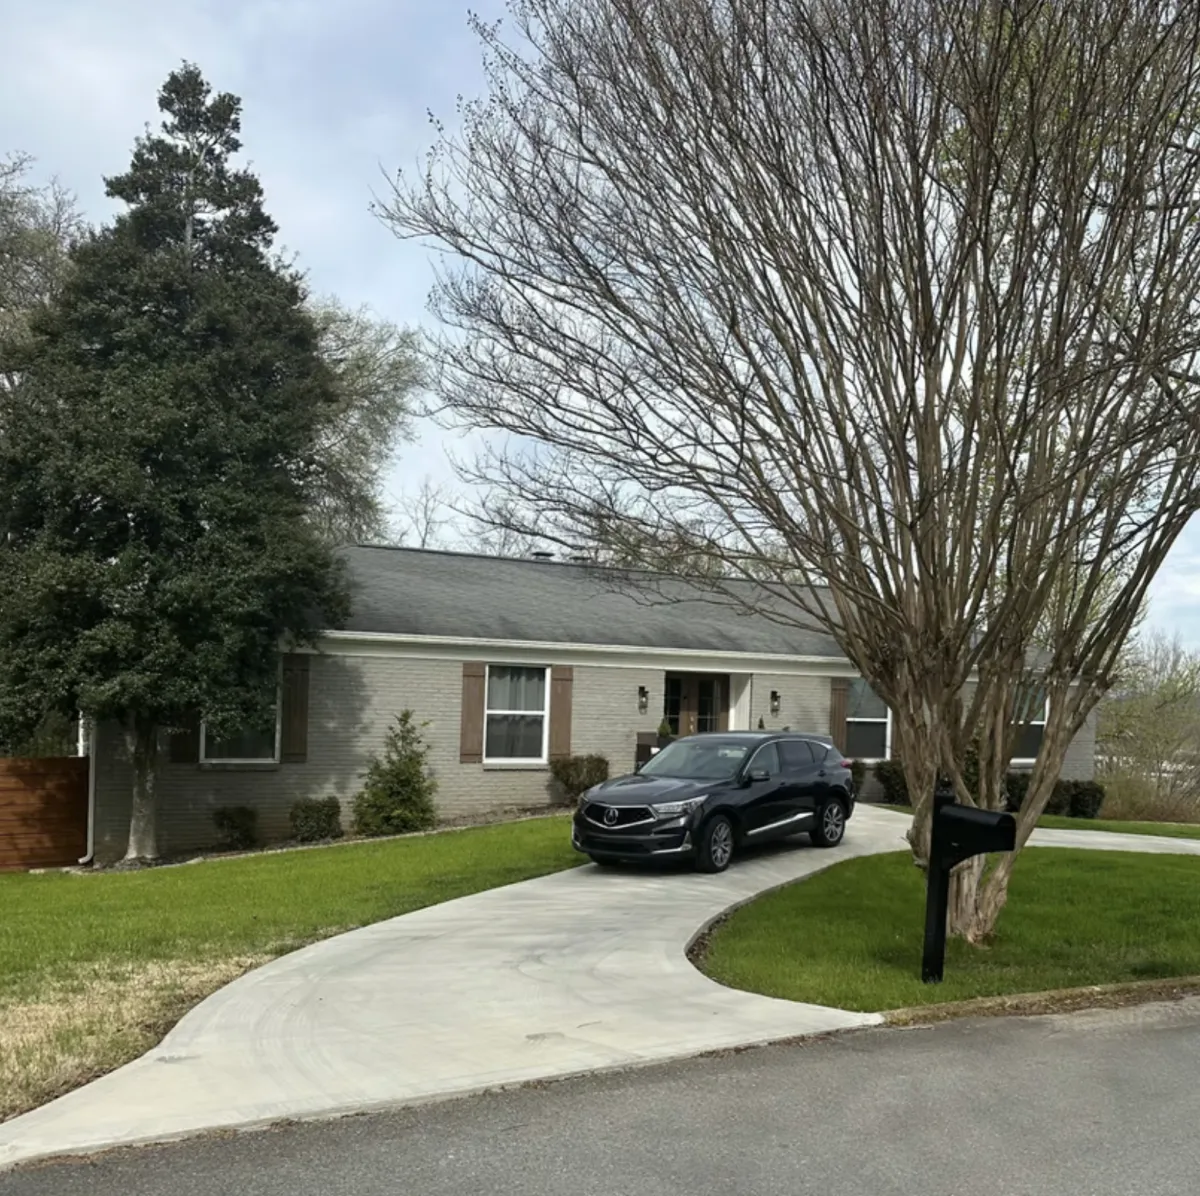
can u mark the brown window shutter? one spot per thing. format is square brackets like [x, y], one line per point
[183, 746]
[562, 683]
[293, 718]
[470, 749]
[839, 695]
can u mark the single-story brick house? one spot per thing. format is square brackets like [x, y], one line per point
[511, 662]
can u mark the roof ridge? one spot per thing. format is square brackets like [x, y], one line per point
[558, 562]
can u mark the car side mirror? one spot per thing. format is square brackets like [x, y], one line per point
[758, 774]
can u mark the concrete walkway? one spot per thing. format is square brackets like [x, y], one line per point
[570, 973]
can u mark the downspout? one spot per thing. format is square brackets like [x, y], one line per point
[88, 738]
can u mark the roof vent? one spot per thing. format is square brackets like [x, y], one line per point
[542, 555]
[580, 558]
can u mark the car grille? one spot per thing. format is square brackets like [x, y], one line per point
[600, 814]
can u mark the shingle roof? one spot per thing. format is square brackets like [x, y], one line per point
[457, 595]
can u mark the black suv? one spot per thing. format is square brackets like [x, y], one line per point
[704, 795]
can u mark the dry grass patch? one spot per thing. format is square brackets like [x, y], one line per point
[94, 969]
[90, 1021]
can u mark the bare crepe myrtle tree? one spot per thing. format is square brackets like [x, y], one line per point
[890, 307]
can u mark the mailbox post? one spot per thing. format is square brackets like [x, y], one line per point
[959, 832]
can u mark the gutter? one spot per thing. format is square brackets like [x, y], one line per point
[87, 738]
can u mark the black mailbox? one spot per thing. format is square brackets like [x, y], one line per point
[959, 832]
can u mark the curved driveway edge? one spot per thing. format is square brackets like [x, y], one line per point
[580, 971]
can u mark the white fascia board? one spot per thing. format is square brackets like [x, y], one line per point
[613, 656]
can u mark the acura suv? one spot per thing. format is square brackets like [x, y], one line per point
[704, 796]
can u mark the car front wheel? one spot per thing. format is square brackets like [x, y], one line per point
[831, 825]
[715, 847]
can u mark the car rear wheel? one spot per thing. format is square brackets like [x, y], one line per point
[831, 825]
[714, 849]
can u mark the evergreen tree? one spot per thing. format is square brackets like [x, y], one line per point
[158, 459]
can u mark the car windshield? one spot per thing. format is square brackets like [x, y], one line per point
[697, 760]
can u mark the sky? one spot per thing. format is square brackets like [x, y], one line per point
[336, 97]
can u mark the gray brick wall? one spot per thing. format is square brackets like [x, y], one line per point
[351, 703]
[803, 703]
[605, 718]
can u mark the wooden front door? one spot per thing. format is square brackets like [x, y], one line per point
[694, 702]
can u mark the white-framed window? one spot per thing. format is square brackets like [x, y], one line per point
[248, 745]
[868, 723]
[516, 720]
[1033, 701]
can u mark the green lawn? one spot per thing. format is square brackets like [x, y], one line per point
[94, 968]
[851, 936]
[1168, 830]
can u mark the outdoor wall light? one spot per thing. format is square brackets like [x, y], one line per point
[643, 699]
[774, 701]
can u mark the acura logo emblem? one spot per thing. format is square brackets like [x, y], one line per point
[610, 817]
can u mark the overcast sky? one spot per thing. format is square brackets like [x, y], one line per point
[335, 97]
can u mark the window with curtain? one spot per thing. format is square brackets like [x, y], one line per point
[517, 715]
[1030, 714]
[867, 735]
[247, 745]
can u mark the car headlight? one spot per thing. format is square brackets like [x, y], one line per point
[671, 809]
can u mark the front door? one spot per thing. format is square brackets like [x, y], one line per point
[696, 702]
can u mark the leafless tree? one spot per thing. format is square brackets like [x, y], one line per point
[1148, 734]
[37, 226]
[424, 516]
[377, 367]
[897, 300]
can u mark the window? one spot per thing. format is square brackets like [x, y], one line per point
[247, 746]
[697, 760]
[797, 754]
[673, 703]
[1030, 715]
[766, 759]
[867, 723]
[516, 714]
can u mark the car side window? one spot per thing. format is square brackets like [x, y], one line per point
[797, 754]
[766, 758]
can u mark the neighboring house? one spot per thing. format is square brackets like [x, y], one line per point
[511, 663]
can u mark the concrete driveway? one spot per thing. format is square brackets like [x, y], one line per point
[566, 974]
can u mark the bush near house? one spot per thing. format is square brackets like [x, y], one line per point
[577, 774]
[891, 780]
[858, 774]
[237, 828]
[315, 819]
[399, 788]
[1076, 799]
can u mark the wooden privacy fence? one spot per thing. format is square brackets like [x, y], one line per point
[43, 812]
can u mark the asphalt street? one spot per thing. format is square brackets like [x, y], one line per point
[1088, 1104]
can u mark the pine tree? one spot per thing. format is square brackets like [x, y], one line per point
[158, 455]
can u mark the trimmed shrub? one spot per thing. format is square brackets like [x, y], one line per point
[1060, 798]
[1086, 799]
[858, 774]
[1016, 788]
[398, 787]
[577, 774]
[314, 819]
[237, 827]
[891, 780]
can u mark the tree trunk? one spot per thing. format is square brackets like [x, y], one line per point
[141, 738]
[964, 896]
